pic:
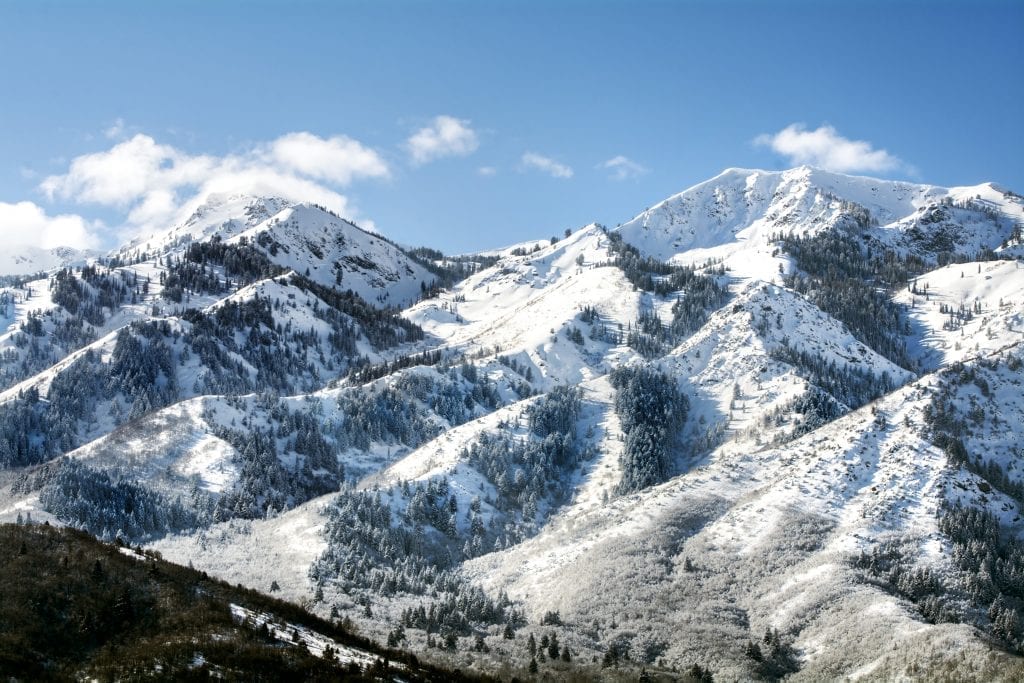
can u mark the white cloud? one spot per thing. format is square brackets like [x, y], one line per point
[532, 160]
[26, 225]
[153, 208]
[116, 130]
[827, 149]
[155, 184]
[126, 173]
[487, 171]
[446, 137]
[338, 159]
[623, 168]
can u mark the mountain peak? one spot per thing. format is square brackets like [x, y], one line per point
[734, 215]
[255, 208]
[222, 214]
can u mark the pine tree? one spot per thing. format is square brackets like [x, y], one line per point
[553, 649]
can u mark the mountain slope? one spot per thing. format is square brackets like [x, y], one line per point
[298, 237]
[219, 215]
[523, 305]
[761, 541]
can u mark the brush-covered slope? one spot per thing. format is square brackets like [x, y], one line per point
[76, 608]
[524, 305]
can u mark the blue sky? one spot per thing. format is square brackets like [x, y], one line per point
[471, 125]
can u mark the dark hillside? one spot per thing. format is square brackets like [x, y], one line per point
[72, 607]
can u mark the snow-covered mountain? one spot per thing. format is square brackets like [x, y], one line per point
[735, 216]
[32, 260]
[336, 253]
[219, 215]
[305, 238]
[768, 428]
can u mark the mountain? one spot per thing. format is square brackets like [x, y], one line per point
[735, 215]
[218, 215]
[775, 412]
[31, 260]
[304, 238]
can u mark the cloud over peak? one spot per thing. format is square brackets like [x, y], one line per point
[825, 148]
[156, 183]
[338, 159]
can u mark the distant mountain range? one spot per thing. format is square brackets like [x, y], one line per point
[32, 260]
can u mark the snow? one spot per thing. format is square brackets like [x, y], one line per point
[256, 553]
[336, 253]
[735, 213]
[734, 216]
[734, 382]
[996, 287]
[171, 450]
[32, 297]
[209, 461]
[440, 456]
[523, 304]
[25, 506]
[104, 346]
[295, 634]
[132, 553]
[31, 260]
[863, 481]
[218, 214]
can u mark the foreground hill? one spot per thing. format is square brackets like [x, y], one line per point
[75, 608]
